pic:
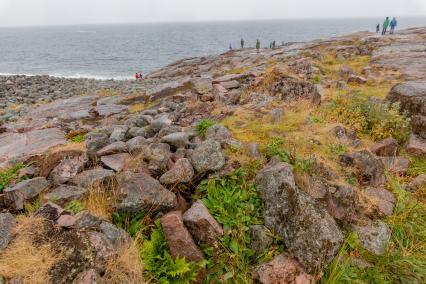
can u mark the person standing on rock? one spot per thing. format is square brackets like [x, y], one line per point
[393, 25]
[273, 44]
[257, 45]
[230, 46]
[385, 26]
[242, 43]
[377, 28]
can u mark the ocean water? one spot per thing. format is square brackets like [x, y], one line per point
[118, 51]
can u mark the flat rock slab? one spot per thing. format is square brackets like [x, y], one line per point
[16, 196]
[65, 193]
[116, 162]
[94, 177]
[23, 145]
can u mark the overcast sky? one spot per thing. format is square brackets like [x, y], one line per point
[58, 12]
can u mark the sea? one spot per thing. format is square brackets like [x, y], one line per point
[118, 51]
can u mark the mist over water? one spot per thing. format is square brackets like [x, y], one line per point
[118, 51]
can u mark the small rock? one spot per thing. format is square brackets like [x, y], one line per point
[49, 211]
[233, 84]
[179, 239]
[94, 177]
[260, 239]
[254, 151]
[7, 224]
[182, 172]
[382, 198]
[177, 140]
[64, 194]
[385, 148]
[219, 133]
[27, 172]
[116, 162]
[374, 236]
[137, 132]
[357, 79]
[16, 196]
[208, 156]
[85, 220]
[416, 146]
[203, 227]
[114, 148]
[137, 144]
[416, 183]
[87, 277]
[160, 123]
[67, 169]
[119, 133]
[66, 221]
[398, 165]
[276, 115]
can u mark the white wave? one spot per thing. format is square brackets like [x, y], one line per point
[75, 76]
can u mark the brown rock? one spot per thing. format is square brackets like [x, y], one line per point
[66, 221]
[115, 161]
[203, 227]
[114, 148]
[16, 196]
[94, 177]
[67, 169]
[416, 146]
[181, 172]
[282, 269]
[179, 239]
[398, 165]
[385, 148]
[86, 277]
[382, 198]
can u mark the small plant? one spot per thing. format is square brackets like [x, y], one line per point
[133, 223]
[316, 79]
[31, 207]
[417, 166]
[202, 126]
[335, 150]
[10, 175]
[77, 138]
[74, 206]
[160, 267]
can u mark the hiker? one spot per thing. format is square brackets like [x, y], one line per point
[273, 44]
[242, 43]
[393, 25]
[377, 28]
[230, 46]
[137, 76]
[257, 44]
[385, 25]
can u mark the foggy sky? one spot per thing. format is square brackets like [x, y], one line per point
[60, 12]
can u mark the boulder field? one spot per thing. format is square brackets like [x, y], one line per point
[78, 157]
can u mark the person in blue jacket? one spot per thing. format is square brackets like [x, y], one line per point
[393, 25]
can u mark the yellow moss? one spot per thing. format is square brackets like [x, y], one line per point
[107, 93]
[237, 70]
[138, 107]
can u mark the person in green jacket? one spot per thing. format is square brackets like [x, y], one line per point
[385, 25]
[257, 45]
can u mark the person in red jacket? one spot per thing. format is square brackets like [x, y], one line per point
[137, 76]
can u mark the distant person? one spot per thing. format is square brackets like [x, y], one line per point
[230, 46]
[242, 43]
[137, 76]
[377, 28]
[257, 44]
[385, 26]
[273, 44]
[140, 76]
[393, 25]
[270, 45]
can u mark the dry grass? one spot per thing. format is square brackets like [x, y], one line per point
[107, 93]
[100, 200]
[24, 258]
[126, 267]
[138, 107]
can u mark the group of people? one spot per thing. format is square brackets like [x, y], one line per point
[272, 45]
[138, 76]
[392, 23]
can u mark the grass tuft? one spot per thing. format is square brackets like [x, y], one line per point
[10, 176]
[202, 126]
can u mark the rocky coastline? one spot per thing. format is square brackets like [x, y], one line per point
[283, 165]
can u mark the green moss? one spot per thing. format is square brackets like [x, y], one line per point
[74, 206]
[10, 175]
[77, 138]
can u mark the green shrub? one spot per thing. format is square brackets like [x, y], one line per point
[77, 138]
[417, 166]
[369, 117]
[133, 223]
[202, 126]
[74, 206]
[10, 175]
[159, 266]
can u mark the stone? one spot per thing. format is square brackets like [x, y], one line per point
[411, 95]
[254, 151]
[102, 248]
[119, 133]
[87, 277]
[160, 123]
[140, 121]
[94, 177]
[208, 156]
[158, 156]
[137, 144]
[49, 211]
[276, 115]
[416, 183]
[346, 135]
[66, 221]
[64, 194]
[201, 224]
[374, 236]
[202, 86]
[67, 169]
[177, 140]
[357, 79]
[115, 162]
[118, 237]
[94, 143]
[179, 239]
[342, 203]
[290, 89]
[398, 165]
[282, 269]
[260, 239]
[346, 71]
[85, 220]
[369, 169]
[416, 146]
[167, 89]
[308, 231]
[139, 191]
[27, 172]
[16, 196]
[219, 133]
[382, 198]
[7, 225]
[385, 148]
[136, 132]
[181, 172]
[114, 148]
[233, 84]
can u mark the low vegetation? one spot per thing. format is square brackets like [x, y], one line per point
[10, 176]
[202, 126]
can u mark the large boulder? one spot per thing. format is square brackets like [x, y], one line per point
[374, 236]
[309, 232]
[179, 239]
[94, 177]
[282, 269]
[116, 162]
[7, 224]
[290, 89]
[203, 227]
[16, 196]
[369, 169]
[139, 191]
[208, 156]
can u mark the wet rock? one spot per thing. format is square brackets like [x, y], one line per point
[260, 239]
[16, 196]
[385, 148]
[114, 148]
[137, 144]
[369, 170]
[208, 156]
[119, 133]
[160, 123]
[139, 191]
[398, 165]
[201, 224]
[181, 172]
[374, 236]
[64, 194]
[177, 140]
[416, 183]
[7, 225]
[67, 169]
[416, 146]
[94, 177]
[179, 239]
[115, 162]
[282, 269]
[308, 231]
[382, 198]
[290, 89]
